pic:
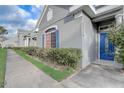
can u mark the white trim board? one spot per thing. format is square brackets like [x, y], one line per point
[41, 16]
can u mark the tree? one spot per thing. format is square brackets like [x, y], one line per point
[116, 35]
[2, 30]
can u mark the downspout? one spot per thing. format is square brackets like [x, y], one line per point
[82, 40]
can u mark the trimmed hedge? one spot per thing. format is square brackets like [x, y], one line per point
[64, 56]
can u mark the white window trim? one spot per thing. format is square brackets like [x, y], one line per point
[50, 28]
[45, 37]
[49, 33]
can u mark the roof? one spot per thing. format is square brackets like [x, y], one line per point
[91, 10]
[41, 16]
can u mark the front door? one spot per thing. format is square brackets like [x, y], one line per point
[106, 47]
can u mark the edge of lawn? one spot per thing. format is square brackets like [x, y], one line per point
[3, 58]
[54, 73]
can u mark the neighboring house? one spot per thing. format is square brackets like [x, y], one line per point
[10, 42]
[26, 38]
[84, 27]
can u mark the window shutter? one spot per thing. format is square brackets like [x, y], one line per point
[57, 39]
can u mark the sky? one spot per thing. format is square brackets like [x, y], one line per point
[19, 17]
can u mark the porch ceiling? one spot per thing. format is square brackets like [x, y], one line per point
[107, 16]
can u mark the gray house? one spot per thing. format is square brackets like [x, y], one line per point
[80, 26]
[84, 27]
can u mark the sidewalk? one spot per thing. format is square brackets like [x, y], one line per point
[22, 74]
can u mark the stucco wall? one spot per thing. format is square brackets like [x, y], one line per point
[57, 14]
[69, 33]
[88, 41]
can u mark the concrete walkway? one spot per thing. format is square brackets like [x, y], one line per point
[96, 76]
[23, 74]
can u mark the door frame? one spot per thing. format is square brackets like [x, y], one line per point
[98, 39]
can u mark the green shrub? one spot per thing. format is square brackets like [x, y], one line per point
[63, 56]
[116, 35]
[42, 53]
[30, 50]
[69, 57]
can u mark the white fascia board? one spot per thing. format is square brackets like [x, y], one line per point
[110, 14]
[107, 9]
[100, 18]
[41, 17]
[89, 9]
[75, 7]
[92, 8]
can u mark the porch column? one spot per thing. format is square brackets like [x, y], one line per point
[25, 42]
[119, 19]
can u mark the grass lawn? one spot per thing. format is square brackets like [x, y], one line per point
[55, 74]
[3, 54]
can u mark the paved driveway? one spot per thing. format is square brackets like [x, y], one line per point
[23, 74]
[97, 76]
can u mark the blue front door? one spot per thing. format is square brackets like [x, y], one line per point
[106, 48]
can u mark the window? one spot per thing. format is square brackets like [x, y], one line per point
[48, 40]
[51, 38]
